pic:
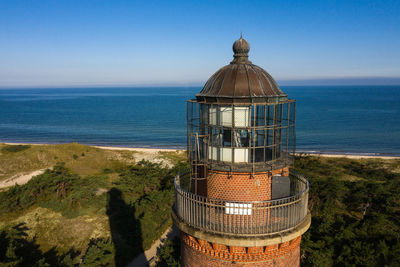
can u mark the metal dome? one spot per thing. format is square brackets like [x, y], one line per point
[241, 81]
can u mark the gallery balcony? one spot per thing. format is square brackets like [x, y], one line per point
[286, 211]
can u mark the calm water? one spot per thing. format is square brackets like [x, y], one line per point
[351, 119]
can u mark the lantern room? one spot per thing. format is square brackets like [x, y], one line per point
[241, 120]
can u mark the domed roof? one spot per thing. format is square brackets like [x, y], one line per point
[241, 81]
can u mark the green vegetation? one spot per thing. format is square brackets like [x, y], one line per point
[355, 206]
[169, 253]
[103, 219]
[36, 157]
[99, 253]
[59, 190]
[103, 213]
[174, 157]
[14, 148]
[17, 250]
[146, 192]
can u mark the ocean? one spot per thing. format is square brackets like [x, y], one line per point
[330, 119]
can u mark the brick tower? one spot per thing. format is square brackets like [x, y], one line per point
[238, 204]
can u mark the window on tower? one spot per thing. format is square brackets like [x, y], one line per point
[238, 208]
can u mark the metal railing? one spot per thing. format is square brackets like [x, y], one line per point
[253, 218]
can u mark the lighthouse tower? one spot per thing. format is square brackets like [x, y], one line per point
[239, 204]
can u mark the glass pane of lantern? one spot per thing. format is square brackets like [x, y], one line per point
[270, 114]
[285, 114]
[278, 114]
[242, 116]
[269, 137]
[216, 137]
[213, 115]
[291, 139]
[226, 116]
[226, 138]
[258, 115]
[241, 138]
[260, 137]
[226, 154]
[204, 117]
[285, 139]
[241, 155]
[278, 142]
[292, 110]
[212, 153]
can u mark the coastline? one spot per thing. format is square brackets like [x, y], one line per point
[155, 150]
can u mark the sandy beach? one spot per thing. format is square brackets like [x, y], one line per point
[156, 150]
[349, 156]
[138, 149]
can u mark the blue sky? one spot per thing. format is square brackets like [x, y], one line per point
[74, 43]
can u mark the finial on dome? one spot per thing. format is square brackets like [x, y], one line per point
[241, 50]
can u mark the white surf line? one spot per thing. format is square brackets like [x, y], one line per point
[150, 256]
[139, 149]
[349, 156]
[20, 179]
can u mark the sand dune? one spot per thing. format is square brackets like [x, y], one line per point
[20, 179]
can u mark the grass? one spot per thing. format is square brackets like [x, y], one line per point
[174, 157]
[52, 230]
[96, 197]
[346, 169]
[81, 159]
[14, 148]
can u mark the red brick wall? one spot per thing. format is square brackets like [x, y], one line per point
[195, 252]
[240, 186]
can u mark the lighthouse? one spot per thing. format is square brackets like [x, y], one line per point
[239, 204]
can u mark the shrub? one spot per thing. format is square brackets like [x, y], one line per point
[354, 222]
[100, 252]
[137, 203]
[15, 148]
[169, 253]
[57, 189]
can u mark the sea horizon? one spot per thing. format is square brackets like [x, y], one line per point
[356, 120]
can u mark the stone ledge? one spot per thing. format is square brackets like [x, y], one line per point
[243, 241]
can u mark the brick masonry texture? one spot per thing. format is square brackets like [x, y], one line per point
[241, 186]
[196, 252]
